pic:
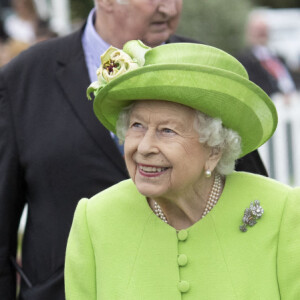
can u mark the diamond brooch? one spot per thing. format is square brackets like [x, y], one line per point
[251, 215]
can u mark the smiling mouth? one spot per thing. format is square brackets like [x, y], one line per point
[152, 170]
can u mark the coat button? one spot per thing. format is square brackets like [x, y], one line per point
[182, 235]
[183, 286]
[182, 260]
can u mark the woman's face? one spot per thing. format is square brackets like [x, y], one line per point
[162, 152]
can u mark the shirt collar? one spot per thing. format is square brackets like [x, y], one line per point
[93, 46]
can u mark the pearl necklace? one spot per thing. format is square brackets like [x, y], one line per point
[212, 200]
[158, 211]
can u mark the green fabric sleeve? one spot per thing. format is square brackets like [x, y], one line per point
[80, 276]
[288, 258]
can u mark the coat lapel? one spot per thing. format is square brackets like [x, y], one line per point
[72, 76]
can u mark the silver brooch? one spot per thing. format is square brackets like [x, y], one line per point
[251, 214]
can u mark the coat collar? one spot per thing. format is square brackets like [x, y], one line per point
[72, 76]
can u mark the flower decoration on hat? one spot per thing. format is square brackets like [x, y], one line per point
[116, 62]
[251, 215]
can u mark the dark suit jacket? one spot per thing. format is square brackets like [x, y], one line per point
[257, 73]
[53, 152]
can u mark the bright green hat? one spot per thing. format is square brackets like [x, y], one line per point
[199, 76]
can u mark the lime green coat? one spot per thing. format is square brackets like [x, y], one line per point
[119, 249]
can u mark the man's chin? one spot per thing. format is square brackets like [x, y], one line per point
[157, 38]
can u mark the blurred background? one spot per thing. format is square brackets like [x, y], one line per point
[215, 22]
[224, 24]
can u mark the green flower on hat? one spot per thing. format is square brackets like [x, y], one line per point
[115, 62]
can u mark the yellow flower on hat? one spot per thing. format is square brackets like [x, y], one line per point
[115, 62]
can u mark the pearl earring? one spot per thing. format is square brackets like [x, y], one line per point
[207, 173]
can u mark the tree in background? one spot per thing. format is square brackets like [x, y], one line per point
[80, 9]
[217, 23]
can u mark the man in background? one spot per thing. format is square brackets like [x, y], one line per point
[53, 150]
[264, 67]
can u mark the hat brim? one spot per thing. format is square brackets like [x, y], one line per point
[239, 103]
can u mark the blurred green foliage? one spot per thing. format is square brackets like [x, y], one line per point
[80, 9]
[217, 23]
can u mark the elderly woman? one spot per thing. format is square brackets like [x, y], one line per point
[185, 226]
